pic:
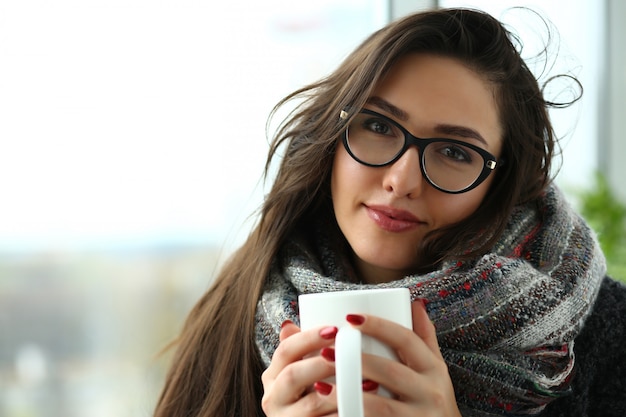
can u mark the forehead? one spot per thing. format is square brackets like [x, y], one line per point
[431, 90]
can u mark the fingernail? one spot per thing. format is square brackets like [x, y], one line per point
[328, 354]
[328, 332]
[286, 322]
[355, 319]
[322, 387]
[370, 385]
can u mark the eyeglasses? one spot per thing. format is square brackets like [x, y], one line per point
[449, 165]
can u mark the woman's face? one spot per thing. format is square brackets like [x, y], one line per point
[385, 212]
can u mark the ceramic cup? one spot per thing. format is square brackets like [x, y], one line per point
[331, 309]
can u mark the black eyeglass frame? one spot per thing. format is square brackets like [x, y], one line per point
[490, 161]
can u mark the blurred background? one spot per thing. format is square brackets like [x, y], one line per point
[133, 138]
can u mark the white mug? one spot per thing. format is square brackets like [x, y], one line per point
[331, 309]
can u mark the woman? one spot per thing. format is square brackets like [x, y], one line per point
[423, 161]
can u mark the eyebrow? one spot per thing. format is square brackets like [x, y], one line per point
[383, 104]
[443, 128]
[461, 131]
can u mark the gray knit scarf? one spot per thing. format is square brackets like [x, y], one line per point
[505, 322]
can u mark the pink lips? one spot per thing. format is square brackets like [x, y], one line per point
[391, 219]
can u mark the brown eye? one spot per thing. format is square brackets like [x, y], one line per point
[377, 126]
[455, 153]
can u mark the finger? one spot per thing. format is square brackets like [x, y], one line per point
[432, 388]
[424, 327]
[295, 379]
[302, 343]
[378, 406]
[297, 344]
[409, 347]
[319, 402]
[426, 397]
[396, 377]
[288, 328]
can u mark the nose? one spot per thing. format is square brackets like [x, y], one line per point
[404, 177]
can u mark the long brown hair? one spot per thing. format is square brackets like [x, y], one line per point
[216, 369]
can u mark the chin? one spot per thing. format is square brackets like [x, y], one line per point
[391, 267]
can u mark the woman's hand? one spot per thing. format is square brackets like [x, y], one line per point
[420, 382]
[287, 382]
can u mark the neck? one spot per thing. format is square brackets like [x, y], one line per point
[370, 274]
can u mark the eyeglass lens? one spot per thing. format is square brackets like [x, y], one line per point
[375, 140]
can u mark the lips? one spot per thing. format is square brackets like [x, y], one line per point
[393, 220]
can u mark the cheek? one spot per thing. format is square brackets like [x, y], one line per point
[345, 176]
[453, 208]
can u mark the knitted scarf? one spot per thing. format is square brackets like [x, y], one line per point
[505, 323]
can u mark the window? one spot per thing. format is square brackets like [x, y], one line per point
[119, 198]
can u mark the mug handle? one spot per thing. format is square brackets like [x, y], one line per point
[348, 372]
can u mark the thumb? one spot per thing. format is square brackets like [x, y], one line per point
[423, 327]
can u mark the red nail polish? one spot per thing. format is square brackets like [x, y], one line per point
[328, 354]
[286, 322]
[422, 301]
[355, 319]
[370, 385]
[322, 387]
[328, 332]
